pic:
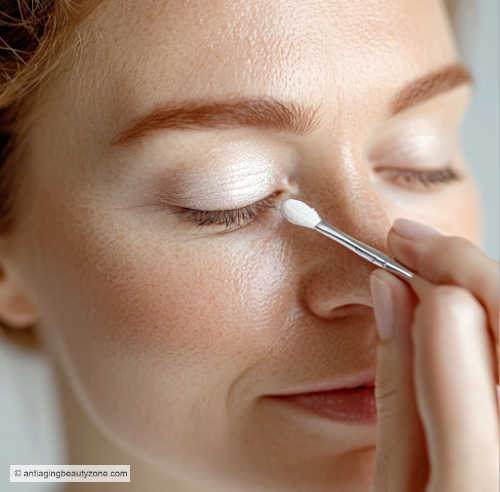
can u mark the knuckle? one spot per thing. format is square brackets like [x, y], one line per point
[457, 243]
[460, 241]
[449, 304]
[450, 246]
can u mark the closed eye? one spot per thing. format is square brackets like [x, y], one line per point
[238, 217]
[233, 217]
[421, 179]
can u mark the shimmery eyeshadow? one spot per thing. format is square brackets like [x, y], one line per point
[419, 143]
[249, 177]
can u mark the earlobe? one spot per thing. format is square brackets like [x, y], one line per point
[15, 309]
[18, 313]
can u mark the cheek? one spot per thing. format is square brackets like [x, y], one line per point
[189, 304]
[133, 292]
[140, 323]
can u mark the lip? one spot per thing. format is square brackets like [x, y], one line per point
[357, 406]
[366, 378]
[350, 399]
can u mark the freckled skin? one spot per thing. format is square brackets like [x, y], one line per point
[169, 339]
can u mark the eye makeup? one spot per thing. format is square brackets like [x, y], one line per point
[241, 216]
[237, 182]
[229, 218]
[418, 143]
[243, 181]
[427, 179]
[230, 176]
[417, 153]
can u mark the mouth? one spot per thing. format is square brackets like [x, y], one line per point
[351, 400]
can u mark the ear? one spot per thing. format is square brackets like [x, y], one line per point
[15, 308]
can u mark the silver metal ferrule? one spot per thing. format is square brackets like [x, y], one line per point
[367, 252]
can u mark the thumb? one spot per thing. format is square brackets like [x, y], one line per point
[401, 456]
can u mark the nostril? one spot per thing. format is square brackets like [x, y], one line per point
[349, 310]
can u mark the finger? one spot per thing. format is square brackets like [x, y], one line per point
[456, 395]
[448, 260]
[401, 461]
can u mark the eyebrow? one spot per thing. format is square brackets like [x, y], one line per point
[431, 85]
[272, 114]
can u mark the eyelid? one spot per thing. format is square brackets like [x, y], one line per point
[433, 179]
[251, 213]
[422, 139]
[423, 150]
[228, 217]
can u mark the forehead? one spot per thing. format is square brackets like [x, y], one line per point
[137, 54]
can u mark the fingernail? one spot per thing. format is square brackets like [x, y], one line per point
[413, 230]
[382, 303]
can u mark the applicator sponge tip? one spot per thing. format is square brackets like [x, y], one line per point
[300, 213]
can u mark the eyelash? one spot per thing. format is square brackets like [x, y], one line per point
[427, 178]
[241, 216]
[234, 217]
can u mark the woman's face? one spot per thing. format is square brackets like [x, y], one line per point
[172, 333]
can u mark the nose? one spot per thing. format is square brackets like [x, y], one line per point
[335, 281]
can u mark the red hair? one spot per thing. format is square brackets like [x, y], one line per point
[34, 37]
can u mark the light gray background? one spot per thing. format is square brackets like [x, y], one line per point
[480, 132]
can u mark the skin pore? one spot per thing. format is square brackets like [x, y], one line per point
[167, 336]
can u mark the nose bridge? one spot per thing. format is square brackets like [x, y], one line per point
[338, 186]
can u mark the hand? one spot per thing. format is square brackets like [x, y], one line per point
[437, 400]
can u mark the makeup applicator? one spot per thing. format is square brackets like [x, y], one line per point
[301, 214]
